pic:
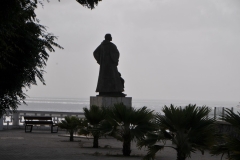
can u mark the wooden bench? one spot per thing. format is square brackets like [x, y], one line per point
[37, 120]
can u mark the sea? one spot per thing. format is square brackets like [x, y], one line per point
[77, 104]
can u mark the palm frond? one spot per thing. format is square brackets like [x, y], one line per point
[70, 123]
[220, 149]
[130, 123]
[232, 118]
[150, 139]
[231, 142]
[188, 127]
[152, 150]
[94, 115]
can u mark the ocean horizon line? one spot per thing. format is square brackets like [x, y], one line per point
[138, 99]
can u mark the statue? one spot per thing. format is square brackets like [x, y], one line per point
[110, 82]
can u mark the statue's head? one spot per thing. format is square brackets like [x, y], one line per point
[108, 37]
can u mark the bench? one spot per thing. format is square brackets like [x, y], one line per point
[37, 120]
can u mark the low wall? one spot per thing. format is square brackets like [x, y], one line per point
[16, 120]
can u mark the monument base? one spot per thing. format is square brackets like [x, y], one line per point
[110, 101]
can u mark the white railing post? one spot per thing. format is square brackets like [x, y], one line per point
[215, 113]
[223, 114]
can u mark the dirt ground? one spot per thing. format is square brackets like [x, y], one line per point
[44, 145]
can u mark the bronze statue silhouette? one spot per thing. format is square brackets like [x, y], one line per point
[110, 82]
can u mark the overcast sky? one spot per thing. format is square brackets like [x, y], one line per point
[169, 49]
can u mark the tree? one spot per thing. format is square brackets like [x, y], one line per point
[230, 142]
[24, 46]
[71, 124]
[23, 51]
[95, 123]
[188, 128]
[130, 123]
[89, 3]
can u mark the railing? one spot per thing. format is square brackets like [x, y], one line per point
[218, 112]
[16, 119]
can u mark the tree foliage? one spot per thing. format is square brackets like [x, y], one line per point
[71, 124]
[95, 124]
[24, 47]
[89, 3]
[188, 128]
[130, 124]
[23, 50]
[230, 141]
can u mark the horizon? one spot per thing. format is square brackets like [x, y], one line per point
[138, 99]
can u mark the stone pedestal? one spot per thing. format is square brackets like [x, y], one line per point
[110, 101]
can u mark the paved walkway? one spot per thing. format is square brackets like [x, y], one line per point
[43, 145]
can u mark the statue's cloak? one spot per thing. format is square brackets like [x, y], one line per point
[109, 79]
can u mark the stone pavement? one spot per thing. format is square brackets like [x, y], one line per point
[15, 144]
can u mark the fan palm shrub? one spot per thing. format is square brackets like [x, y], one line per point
[129, 124]
[188, 128]
[95, 123]
[71, 124]
[230, 141]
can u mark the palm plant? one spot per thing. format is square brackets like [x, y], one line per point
[188, 128]
[71, 124]
[130, 123]
[231, 141]
[95, 123]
